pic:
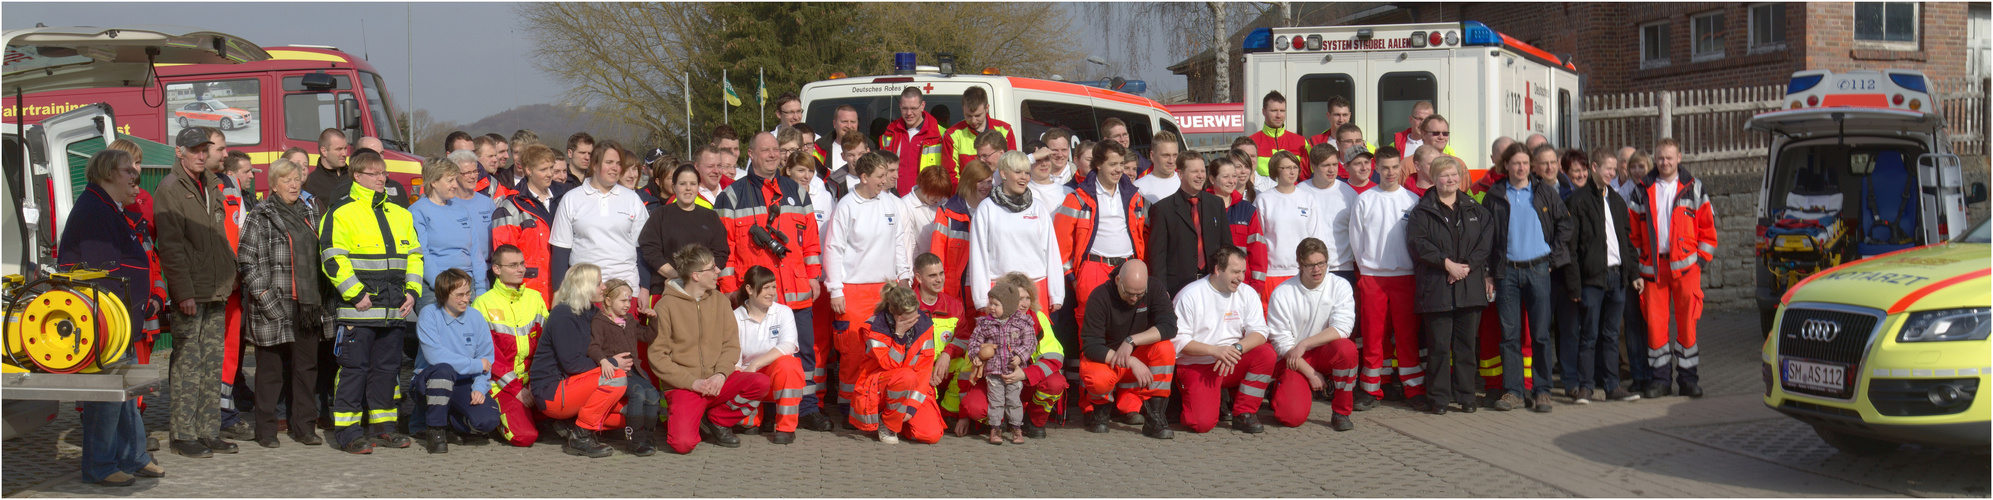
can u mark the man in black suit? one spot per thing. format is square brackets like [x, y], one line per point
[1185, 228]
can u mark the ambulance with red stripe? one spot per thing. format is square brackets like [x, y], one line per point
[1890, 347]
[1485, 83]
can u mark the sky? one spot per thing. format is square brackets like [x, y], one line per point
[470, 60]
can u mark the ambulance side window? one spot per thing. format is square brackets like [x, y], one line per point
[1565, 112]
[1140, 130]
[1040, 116]
[306, 114]
[233, 106]
[1396, 93]
[875, 113]
[1312, 109]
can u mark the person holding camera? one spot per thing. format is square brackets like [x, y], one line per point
[769, 223]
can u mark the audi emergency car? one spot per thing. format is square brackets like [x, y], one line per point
[1889, 349]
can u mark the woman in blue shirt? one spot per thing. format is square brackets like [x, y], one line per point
[448, 228]
[454, 366]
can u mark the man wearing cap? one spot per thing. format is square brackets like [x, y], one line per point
[199, 267]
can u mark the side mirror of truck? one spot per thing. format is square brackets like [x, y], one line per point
[349, 114]
[1977, 194]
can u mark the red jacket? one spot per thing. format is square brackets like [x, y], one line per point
[747, 204]
[1076, 219]
[522, 221]
[918, 149]
[1691, 226]
[950, 241]
[1270, 140]
[886, 352]
[958, 144]
[1243, 218]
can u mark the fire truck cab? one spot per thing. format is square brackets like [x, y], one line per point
[1485, 83]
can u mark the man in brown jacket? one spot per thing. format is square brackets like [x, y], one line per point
[694, 355]
[199, 267]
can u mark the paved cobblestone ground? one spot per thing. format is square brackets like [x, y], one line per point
[1727, 444]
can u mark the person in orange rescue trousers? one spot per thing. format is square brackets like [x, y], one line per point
[567, 385]
[1102, 224]
[695, 355]
[867, 246]
[1129, 357]
[893, 395]
[1675, 232]
[768, 347]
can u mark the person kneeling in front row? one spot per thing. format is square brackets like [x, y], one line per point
[454, 365]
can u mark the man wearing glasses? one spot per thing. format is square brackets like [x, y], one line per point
[515, 313]
[1311, 318]
[1128, 360]
[374, 259]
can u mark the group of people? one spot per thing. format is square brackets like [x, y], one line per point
[892, 286]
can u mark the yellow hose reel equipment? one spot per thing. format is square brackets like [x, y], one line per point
[69, 326]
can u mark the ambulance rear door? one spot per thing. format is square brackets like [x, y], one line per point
[1398, 80]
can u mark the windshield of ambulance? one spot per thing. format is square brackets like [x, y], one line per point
[1978, 234]
[1829, 179]
[875, 113]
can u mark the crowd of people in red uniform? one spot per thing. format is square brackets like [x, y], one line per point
[931, 279]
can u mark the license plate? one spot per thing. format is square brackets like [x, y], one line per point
[1828, 377]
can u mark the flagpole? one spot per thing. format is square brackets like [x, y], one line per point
[726, 115]
[688, 114]
[760, 89]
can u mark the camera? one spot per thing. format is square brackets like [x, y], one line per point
[775, 243]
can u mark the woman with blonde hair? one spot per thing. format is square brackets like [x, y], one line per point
[568, 386]
[283, 299]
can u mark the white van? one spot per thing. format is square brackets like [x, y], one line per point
[1859, 166]
[1485, 83]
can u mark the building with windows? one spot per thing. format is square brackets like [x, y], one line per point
[1626, 47]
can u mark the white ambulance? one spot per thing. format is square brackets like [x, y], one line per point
[1031, 105]
[1485, 83]
[1859, 166]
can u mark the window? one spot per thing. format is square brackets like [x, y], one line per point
[1707, 31]
[1314, 92]
[306, 114]
[386, 123]
[1566, 122]
[1890, 24]
[1654, 45]
[1767, 27]
[1396, 93]
[877, 112]
[1040, 116]
[233, 106]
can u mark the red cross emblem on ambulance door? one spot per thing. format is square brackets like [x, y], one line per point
[928, 89]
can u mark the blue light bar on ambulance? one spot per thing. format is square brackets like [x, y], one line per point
[1802, 83]
[1259, 40]
[1908, 82]
[1476, 33]
[903, 63]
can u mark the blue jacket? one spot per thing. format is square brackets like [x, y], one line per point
[455, 235]
[117, 247]
[463, 342]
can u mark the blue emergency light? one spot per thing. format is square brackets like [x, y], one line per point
[1479, 34]
[1802, 84]
[1259, 40]
[903, 63]
[1908, 82]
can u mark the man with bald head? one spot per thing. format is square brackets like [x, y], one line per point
[1311, 318]
[1128, 356]
[1494, 167]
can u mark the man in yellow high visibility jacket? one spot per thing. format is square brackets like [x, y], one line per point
[515, 314]
[373, 257]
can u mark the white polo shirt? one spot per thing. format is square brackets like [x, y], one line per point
[601, 228]
[775, 332]
[1110, 236]
[1212, 318]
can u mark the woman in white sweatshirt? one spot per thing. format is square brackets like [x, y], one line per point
[1013, 233]
[1287, 215]
[864, 249]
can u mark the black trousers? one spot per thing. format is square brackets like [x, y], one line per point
[1451, 356]
[369, 363]
[288, 370]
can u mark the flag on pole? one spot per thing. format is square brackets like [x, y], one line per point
[761, 89]
[733, 98]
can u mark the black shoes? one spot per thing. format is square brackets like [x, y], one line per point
[1364, 401]
[239, 432]
[151, 443]
[269, 442]
[191, 449]
[1341, 423]
[1423, 405]
[1096, 420]
[1655, 391]
[438, 440]
[780, 437]
[306, 436]
[1467, 407]
[581, 442]
[643, 437]
[391, 440]
[816, 422]
[1154, 423]
[1033, 431]
[1247, 423]
[717, 435]
[747, 430]
[218, 446]
[1693, 391]
[359, 447]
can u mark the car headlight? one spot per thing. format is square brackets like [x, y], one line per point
[1970, 323]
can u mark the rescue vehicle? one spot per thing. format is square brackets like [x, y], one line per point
[1889, 349]
[1859, 165]
[263, 107]
[1030, 104]
[48, 358]
[1485, 83]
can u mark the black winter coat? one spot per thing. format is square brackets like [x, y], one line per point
[1465, 234]
[1588, 237]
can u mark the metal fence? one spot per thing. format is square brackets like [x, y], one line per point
[1710, 122]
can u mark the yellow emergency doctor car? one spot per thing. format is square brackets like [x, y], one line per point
[1890, 349]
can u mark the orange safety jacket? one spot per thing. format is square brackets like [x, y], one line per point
[1691, 225]
[1077, 219]
[781, 208]
[950, 241]
[521, 221]
[918, 149]
[1243, 220]
[887, 352]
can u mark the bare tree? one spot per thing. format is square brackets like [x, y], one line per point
[1222, 64]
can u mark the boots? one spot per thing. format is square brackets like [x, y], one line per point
[436, 439]
[719, 436]
[581, 442]
[642, 436]
[1096, 420]
[1154, 423]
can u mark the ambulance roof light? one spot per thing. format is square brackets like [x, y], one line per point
[1259, 40]
[1476, 34]
[903, 63]
[1802, 83]
[1908, 81]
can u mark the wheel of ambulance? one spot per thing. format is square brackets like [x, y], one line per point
[1853, 444]
[227, 124]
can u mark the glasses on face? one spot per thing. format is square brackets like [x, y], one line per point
[509, 265]
[372, 173]
[1441, 133]
[788, 151]
[1318, 265]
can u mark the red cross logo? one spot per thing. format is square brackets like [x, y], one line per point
[928, 89]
